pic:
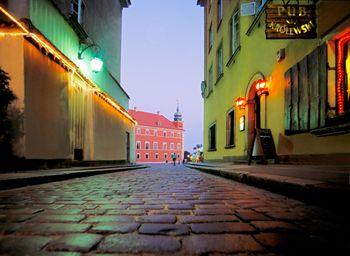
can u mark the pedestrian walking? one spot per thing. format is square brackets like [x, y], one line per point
[173, 156]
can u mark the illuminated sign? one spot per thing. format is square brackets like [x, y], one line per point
[290, 21]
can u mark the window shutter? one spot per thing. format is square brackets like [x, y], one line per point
[228, 125]
[304, 107]
[306, 93]
[288, 102]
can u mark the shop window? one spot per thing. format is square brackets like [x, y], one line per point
[230, 122]
[317, 95]
[212, 137]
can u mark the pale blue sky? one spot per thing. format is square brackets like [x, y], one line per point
[162, 60]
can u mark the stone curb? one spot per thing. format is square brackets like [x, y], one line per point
[36, 180]
[323, 194]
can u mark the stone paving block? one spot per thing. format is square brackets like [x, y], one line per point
[227, 243]
[53, 228]
[223, 211]
[125, 212]
[113, 206]
[95, 212]
[274, 226]
[164, 229]
[221, 227]
[58, 218]
[75, 242]
[156, 218]
[207, 218]
[286, 215]
[22, 245]
[180, 207]
[60, 211]
[48, 253]
[249, 215]
[15, 218]
[131, 243]
[169, 212]
[8, 228]
[292, 244]
[109, 218]
[146, 207]
[21, 211]
[110, 228]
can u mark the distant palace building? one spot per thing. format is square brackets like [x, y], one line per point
[157, 137]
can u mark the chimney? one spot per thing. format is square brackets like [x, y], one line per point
[158, 113]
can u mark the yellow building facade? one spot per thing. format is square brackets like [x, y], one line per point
[306, 102]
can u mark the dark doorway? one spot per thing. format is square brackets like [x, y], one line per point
[127, 147]
[253, 115]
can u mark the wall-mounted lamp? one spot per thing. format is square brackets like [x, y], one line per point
[261, 87]
[96, 63]
[241, 102]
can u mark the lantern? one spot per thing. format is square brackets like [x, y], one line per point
[241, 103]
[261, 87]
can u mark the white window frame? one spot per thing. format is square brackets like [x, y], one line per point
[155, 145]
[235, 30]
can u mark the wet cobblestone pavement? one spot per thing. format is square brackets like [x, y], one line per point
[164, 210]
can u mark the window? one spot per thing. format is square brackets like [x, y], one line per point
[210, 79]
[178, 155]
[171, 146]
[211, 36]
[212, 137]
[230, 128]
[164, 146]
[178, 146]
[77, 9]
[138, 144]
[165, 156]
[147, 132]
[146, 145]
[219, 58]
[164, 134]
[157, 155]
[172, 134]
[155, 145]
[155, 132]
[138, 131]
[147, 155]
[220, 11]
[138, 156]
[234, 26]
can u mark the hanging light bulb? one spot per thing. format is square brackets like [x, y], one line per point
[96, 64]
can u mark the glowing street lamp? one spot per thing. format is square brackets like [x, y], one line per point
[96, 64]
[261, 87]
[241, 102]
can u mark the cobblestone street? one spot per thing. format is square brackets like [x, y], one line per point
[163, 210]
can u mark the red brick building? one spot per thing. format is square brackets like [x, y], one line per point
[157, 137]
